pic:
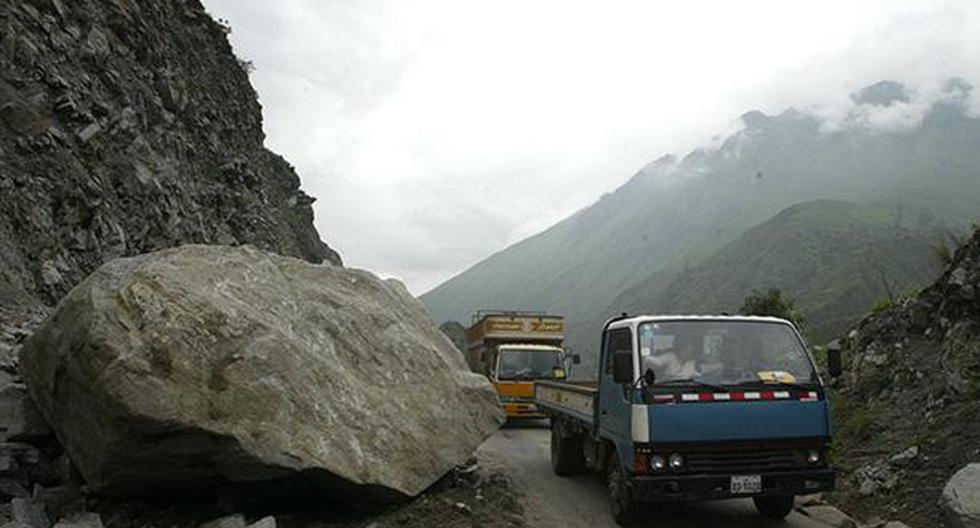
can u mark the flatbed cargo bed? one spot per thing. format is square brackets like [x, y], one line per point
[573, 398]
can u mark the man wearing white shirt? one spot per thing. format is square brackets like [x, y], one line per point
[679, 362]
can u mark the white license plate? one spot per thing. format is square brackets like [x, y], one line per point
[742, 484]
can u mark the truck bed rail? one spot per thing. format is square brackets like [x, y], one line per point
[575, 399]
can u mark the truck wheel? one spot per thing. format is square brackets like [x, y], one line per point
[567, 457]
[774, 507]
[625, 510]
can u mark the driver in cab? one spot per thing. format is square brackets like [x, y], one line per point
[680, 361]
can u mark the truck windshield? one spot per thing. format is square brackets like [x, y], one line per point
[724, 352]
[529, 365]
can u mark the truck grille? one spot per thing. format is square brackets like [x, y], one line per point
[744, 461]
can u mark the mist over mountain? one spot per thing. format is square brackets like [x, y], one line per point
[895, 148]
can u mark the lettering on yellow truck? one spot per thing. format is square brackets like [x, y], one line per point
[514, 349]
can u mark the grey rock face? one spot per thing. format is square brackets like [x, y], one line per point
[20, 314]
[116, 140]
[206, 364]
[59, 502]
[961, 497]
[19, 417]
[29, 513]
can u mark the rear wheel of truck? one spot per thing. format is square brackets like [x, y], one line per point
[774, 507]
[625, 510]
[567, 457]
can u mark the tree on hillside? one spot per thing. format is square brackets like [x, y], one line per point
[772, 303]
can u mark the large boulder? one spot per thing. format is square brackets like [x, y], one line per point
[961, 497]
[204, 366]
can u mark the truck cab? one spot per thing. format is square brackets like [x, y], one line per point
[514, 349]
[697, 408]
[515, 369]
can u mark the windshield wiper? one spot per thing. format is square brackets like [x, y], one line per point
[687, 381]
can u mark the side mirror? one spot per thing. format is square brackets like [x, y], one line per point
[576, 359]
[649, 377]
[835, 367]
[623, 366]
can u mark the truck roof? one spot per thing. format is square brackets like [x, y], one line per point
[529, 346]
[516, 327]
[631, 322]
[484, 313]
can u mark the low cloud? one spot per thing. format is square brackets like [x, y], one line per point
[434, 133]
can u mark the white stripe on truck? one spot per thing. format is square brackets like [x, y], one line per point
[641, 423]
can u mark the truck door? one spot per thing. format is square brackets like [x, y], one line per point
[614, 408]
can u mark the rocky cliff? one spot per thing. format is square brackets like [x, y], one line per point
[906, 411]
[127, 127]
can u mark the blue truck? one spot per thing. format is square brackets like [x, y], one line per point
[697, 408]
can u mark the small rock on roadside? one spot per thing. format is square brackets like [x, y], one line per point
[810, 500]
[230, 521]
[904, 457]
[961, 497]
[829, 515]
[265, 522]
[868, 487]
[81, 520]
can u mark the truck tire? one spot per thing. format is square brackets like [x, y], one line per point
[625, 511]
[567, 457]
[774, 507]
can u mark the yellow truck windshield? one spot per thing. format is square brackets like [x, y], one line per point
[515, 364]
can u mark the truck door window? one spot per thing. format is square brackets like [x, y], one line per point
[619, 339]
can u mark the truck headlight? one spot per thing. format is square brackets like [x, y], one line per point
[676, 461]
[657, 463]
[813, 456]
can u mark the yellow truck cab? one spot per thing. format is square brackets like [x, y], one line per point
[513, 349]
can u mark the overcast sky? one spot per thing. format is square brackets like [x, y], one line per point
[434, 133]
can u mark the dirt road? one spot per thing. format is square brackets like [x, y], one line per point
[580, 501]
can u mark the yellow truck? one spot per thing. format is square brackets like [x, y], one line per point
[514, 349]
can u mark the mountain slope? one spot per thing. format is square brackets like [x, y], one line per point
[675, 212]
[835, 258]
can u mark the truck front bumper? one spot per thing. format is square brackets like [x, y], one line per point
[522, 410]
[711, 487]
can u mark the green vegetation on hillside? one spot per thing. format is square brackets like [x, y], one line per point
[836, 259]
[772, 303]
